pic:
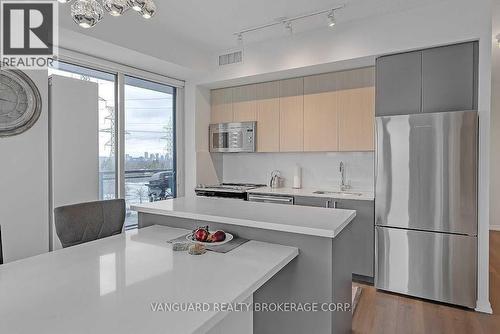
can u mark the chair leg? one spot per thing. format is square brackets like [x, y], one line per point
[1, 251]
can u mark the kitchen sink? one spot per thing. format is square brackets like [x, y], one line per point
[338, 193]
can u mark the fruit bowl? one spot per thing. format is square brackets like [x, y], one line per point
[229, 237]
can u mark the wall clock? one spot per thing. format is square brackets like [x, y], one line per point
[20, 103]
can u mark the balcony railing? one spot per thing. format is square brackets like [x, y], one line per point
[143, 185]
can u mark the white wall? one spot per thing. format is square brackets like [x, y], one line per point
[495, 122]
[433, 25]
[319, 170]
[24, 185]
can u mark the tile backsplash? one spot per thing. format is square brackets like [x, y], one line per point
[319, 170]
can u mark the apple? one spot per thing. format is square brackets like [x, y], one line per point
[201, 234]
[218, 236]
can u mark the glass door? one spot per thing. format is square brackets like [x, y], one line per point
[150, 157]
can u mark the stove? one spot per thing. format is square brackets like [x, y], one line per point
[227, 190]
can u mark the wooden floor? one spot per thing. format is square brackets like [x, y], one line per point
[380, 312]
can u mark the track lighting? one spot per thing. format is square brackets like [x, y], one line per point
[240, 39]
[331, 19]
[286, 21]
[498, 40]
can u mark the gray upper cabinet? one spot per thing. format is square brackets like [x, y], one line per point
[449, 78]
[433, 80]
[399, 84]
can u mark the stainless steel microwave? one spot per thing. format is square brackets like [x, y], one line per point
[233, 137]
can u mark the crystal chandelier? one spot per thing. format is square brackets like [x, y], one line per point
[87, 13]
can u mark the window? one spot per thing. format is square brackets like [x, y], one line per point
[149, 143]
[107, 120]
[148, 149]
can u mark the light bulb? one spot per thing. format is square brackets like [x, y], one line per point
[149, 9]
[137, 5]
[116, 7]
[331, 19]
[87, 13]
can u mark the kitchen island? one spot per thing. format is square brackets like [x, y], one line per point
[320, 275]
[126, 283]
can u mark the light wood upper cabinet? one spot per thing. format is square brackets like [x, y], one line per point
[222, 105]
[244, 103]
[292, 115]
[268, 116]
[356, 119]
[321, 112]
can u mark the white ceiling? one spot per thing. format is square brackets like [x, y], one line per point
[207, 27]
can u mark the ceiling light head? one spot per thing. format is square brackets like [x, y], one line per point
[240, 38]
[149, 9]
[116, 7]
[498, 40]
[87, 13]
[137, 5]
[331, 19]
[289, 27]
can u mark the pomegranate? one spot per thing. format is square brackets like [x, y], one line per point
[218, 236]
[201, 234]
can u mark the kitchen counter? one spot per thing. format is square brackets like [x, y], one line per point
[321, 274]
[295, 219]
[309, 192]
[109, 285]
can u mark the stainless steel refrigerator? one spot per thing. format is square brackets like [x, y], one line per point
[426, 206]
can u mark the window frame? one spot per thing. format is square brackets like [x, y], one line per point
[120, 71]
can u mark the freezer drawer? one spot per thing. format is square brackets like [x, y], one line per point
[429, 265]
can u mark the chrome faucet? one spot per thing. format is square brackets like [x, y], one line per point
[343, 185]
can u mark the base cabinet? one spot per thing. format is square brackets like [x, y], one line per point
[363, 229]
[363, 235]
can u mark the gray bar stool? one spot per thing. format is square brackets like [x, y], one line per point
[1, 252]
[84, 222]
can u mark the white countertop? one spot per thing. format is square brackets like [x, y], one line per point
[107, 286]
[309, 192]
[287, 218]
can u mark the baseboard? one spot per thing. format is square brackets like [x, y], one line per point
[483, 307]
[494, 227]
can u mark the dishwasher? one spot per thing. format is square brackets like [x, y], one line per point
[275, 199]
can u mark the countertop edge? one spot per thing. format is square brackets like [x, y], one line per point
[249, 223]
[367, 196]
